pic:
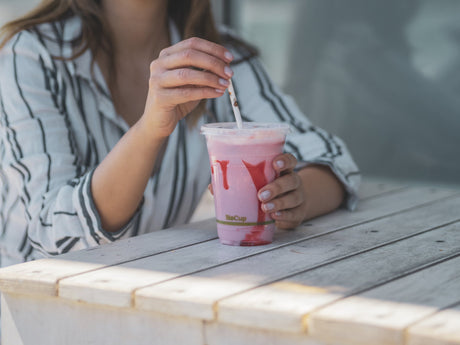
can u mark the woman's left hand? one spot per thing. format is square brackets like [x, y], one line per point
[284, 198]
[294, 197]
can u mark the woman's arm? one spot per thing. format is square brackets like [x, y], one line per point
[183, 74]
[119, 181]
[68, 204]
[322, 189]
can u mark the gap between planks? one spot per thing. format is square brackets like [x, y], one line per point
[353, 223]
[213, 305]
[130, 260]
[344, 257]
[317, 236]
[383, 189]
[384, 313]
[439, 328]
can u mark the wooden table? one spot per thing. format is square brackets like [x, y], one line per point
[388, 273]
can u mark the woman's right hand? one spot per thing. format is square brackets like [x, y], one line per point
[184, 74]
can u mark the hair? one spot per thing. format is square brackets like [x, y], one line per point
[192, 17]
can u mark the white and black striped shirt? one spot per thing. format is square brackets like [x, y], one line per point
[58, 122]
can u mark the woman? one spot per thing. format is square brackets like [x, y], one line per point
[101, 105]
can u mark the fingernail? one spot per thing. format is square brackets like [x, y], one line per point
[228, 71]
[228, 55]
[219, 90]
[223, 82]
[277, 213]
[269, 206]
[265, 195]
[280, 164]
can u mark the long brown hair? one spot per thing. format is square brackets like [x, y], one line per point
[192, 17]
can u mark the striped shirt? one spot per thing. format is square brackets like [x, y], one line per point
[58, 122]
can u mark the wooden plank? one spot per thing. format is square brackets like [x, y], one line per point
[370, 188]
[41, 276]
[383, 206]
[115, 285]
[223, 334]
[285, 305]
[197, 295]
[442, 328]
[381, 315]
[32, 320]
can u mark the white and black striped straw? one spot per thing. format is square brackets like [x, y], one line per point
[236, 109]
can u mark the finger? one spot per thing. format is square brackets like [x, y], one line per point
[187, 76]
[197, 59]
[288, 219]
[286, 225]
[186, 94]
[202, 45]
[287, 201]
[284, 162]
[281, 185]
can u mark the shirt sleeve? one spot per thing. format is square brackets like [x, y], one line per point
[40, 159]
[262, 101]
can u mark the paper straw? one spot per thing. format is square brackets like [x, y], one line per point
[236, 109]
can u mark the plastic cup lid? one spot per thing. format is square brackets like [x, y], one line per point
[249, 128]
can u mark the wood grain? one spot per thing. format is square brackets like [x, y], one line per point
[41, 276]
[198, 295]
[286, 304]
[225, 334]
[381, 315]
[442, 328]
[116, 285]
[385, 274]
[53, 321]
[370, 188]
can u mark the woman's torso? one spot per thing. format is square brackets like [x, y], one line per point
[94, 127]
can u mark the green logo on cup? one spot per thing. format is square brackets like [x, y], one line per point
[235, 218]
[240, 221]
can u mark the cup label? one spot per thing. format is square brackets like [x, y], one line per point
[236, 220]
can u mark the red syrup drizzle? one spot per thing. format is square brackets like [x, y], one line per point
[260, 180]
[223, 166]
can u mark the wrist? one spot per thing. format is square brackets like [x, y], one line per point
[159, 122]
[323, 190]
[148, 132]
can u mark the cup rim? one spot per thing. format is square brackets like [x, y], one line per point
[219, 128]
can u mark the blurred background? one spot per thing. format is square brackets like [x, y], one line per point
[382, 75]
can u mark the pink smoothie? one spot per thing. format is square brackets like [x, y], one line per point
[241, 164]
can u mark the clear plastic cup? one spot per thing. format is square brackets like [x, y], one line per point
[241, 164]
